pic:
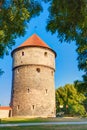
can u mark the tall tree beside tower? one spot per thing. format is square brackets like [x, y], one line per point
[68, 18]
[14, 15]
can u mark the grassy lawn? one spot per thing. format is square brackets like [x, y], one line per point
[35, 120]
[49, 127]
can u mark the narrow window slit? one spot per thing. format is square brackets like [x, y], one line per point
[22, 53]
[52, 73]
[33, 107]
[28, 90]
[18, 107]
[46, 90]
[17, 71]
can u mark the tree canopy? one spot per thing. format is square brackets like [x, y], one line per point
[70, 100]
[68, 18]
[14, 15]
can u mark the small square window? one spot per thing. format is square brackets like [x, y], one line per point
[38, 70]
[45, 53]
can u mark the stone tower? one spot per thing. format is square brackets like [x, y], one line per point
[33, 92]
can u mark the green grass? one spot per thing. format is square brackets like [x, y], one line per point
[49, 127]
[35, 120]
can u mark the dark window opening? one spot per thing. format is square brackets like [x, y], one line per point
[52, 73]
[45, 53]
[22, 53]
[38, 70]
[46, 90]
[28, 90]
[33, 106]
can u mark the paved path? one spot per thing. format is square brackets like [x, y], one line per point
[44, 123]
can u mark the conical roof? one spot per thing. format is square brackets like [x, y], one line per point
[34, 40]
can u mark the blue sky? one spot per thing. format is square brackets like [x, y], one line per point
[66, 63]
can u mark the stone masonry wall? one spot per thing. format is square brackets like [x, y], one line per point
[34, 55]
[33, 92]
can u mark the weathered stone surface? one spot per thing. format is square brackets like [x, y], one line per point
[33, 92]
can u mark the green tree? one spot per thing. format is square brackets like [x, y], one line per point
[14, 15]
[71, 100]
[81, 86]
[68, 18]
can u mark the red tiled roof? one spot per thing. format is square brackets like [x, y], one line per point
[5, 108]
[34, 40]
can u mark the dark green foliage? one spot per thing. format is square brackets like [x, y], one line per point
[68, 18]
[14, 15]
[81, 86]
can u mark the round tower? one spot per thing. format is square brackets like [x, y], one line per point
[33, 91]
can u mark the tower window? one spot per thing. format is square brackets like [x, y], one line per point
[22, 53]
[38, 70]
[46, 90]
[52, 73]
[17, 71]
[18, 107]
[33, 106]
[45, 53]
[28, 90]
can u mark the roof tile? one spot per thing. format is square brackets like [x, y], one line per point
[34, 40]
[5, 108]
